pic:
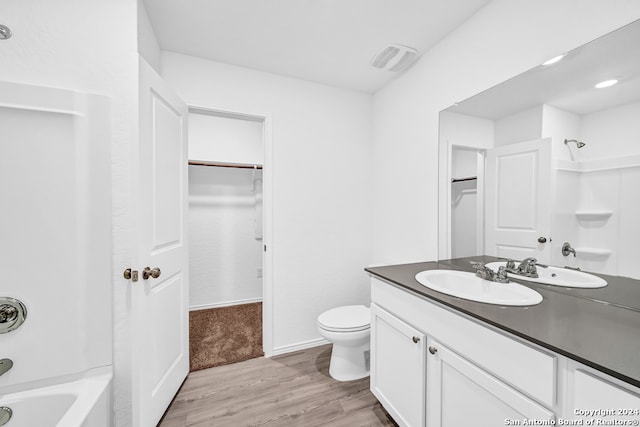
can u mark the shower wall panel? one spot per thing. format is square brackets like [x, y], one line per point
[55, 229]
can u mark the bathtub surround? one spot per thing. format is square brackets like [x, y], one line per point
[85, 400]
[57, 147]
[224, 335]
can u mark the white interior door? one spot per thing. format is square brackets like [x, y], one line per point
[518, 200]
[160, 304]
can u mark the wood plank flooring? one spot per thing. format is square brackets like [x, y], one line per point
[294, 389]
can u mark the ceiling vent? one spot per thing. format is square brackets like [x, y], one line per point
[394, 57]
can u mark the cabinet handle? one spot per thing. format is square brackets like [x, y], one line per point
[433, 350]
[416, 339]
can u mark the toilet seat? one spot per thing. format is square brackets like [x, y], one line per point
[350, 318]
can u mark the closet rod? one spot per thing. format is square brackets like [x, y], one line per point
[470, 178]
[224, 165]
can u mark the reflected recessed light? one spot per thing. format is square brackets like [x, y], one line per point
[554, 59]
[606, 83]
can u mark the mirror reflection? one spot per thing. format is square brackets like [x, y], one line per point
[547, 164]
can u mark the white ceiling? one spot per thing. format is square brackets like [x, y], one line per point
[326, 41]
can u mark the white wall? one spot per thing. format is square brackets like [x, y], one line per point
[519, 127]
[224, 139]
[321, 184]
[225, 239]
[148, 46]
[72, 44]
[503, 39]
[611, 133]
[559, 125]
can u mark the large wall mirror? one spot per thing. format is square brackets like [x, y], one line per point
[548, 160]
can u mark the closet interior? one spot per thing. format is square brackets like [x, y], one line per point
[467, 164]
[225, 238]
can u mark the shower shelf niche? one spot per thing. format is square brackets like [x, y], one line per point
[593, 214]
[593, 253]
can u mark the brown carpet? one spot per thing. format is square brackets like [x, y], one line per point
[219, 336]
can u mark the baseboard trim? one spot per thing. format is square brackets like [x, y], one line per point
[224, 304]
[297, 347]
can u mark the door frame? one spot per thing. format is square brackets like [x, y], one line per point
[267, 212]
[444, 197]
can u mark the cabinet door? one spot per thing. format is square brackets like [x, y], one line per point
[398, 367]
[460, 393]
[594, 398]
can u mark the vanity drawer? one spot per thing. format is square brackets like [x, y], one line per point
[522, 365]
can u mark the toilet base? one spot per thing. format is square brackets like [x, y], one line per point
[349, 363]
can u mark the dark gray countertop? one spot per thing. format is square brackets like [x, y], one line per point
[620, 291]
[599, 329]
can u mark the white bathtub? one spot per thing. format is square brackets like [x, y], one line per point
[82, 402]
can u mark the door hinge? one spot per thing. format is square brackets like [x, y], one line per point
[130, 274]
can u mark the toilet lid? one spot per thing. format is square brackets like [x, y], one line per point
[350, 317]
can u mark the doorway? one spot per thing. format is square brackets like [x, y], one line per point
[466, 197]
[226, 237]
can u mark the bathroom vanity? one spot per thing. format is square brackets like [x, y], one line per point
[439, 360]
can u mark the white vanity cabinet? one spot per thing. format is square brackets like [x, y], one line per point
[459, 392]
[401, 390]
[590, 390]
[434, 366]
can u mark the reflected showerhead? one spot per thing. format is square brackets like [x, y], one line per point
[580, 144]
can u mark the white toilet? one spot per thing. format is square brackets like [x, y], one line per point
[348, 329]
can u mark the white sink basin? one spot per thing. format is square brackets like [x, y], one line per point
[468, 286]
[558, 277]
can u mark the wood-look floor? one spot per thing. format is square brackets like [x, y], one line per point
[294, 389]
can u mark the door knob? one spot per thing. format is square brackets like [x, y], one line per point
[542, 240]
[416, 339]
[433, 350]
[149, 272]
[130, 274]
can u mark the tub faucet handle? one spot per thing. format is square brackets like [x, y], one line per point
[12, 314]
[567, 249]
[5, 365]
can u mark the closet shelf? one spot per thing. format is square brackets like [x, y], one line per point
[593, 214]
[469, 178]
[224, 164]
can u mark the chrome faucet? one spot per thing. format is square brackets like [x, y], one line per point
[567, 249]
[526, 268]
[484, 272]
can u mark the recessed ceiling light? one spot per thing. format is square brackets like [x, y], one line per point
[554, 59]
[606, 83]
